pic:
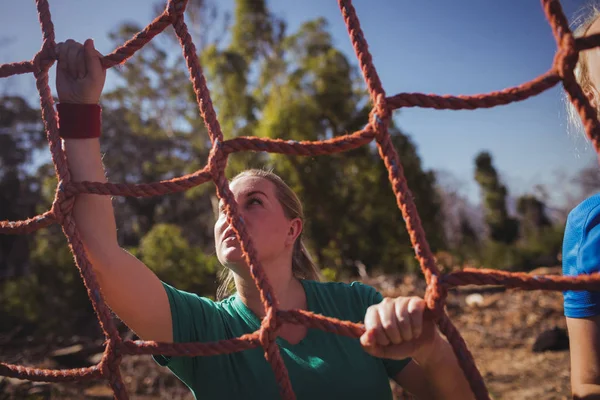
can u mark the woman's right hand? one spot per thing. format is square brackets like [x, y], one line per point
[79, 76]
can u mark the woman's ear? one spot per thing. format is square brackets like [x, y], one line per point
[294, 231]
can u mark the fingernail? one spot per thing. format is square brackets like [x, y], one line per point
[363, 341]
[369, 340]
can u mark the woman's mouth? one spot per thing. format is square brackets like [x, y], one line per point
[229, 237]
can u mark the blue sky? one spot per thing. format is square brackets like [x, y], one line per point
[429, 46]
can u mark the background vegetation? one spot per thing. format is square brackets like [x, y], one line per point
[265, 81]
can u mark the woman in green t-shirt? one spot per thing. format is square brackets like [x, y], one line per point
[398, 343]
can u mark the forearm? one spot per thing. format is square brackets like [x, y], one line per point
[586, 391]
[444, 375]
[584, 345]
[93, 214]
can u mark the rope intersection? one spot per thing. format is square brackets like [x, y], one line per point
[377, 129]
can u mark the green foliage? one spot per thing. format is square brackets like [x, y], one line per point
[265, 82]
[543, 248]
[533, 216]
[253, 28]
[21, 135]
[306, 89]
[329, 274]
[502, 227]
[168, 253]
[52, 287]
[525, 255]
[539, 241]
[499, 255]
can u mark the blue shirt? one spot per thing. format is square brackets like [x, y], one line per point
[581, 255]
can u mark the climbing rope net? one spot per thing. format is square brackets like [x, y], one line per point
[377, 129]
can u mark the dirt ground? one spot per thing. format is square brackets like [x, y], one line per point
[500, 328]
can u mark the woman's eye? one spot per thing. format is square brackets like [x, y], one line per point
[253, 201]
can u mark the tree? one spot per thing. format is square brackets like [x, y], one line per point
[541, 240]
[21, 134]
[38, 277]
[264, 82]
[299, 86]
[463, 228]
[501, 226]
[533, 215]
[152, 132]
[167, 252]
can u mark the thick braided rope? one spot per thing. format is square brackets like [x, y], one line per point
[380, 117]
[437, 284]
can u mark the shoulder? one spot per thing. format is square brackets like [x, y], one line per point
[582, 238]
[584, 213]
[188, 302]
[198, 318]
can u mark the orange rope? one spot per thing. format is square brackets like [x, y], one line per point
[437, 284]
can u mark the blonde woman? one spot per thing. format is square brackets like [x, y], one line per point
[581, 245]
[398, 344]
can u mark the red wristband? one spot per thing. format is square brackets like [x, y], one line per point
[79, 121]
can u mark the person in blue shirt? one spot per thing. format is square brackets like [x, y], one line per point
[581, 244]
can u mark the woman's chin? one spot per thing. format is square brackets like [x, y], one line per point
[233, 259]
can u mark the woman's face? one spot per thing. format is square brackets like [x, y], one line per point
[272, 233]
[593, 64]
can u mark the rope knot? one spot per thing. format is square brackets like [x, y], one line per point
[44, 58]
[112, 357]
[175, 8]
[63, 203]
[380, 116]
[268, 334]
[435, 296]
[567, 56]
[269, 328]
[217, 159]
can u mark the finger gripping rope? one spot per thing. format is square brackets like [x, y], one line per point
[377, 128]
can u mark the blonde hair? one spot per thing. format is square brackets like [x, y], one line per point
[587, 16]
[303, 266]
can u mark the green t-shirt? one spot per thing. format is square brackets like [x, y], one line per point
[322, 366]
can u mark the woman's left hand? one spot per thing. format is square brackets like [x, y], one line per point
[396, 329]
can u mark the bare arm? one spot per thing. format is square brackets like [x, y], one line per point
[584, 342]
[439, 378]
[132, 291]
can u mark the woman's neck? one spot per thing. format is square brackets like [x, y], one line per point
[287, 289]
